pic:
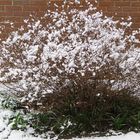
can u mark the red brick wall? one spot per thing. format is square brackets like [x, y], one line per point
[17, 10]
[122, 8]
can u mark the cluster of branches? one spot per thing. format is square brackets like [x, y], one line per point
[69, 47]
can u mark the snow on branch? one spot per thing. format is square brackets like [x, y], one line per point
[52, 51]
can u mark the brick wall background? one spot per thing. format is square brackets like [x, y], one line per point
[17, 10]
[122, 8]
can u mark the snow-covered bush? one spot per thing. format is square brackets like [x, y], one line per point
[69, 47]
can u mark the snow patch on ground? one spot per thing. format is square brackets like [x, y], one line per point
[6, 133]
[5, 129]
[129, 136]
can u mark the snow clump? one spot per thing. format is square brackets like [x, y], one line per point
[51, 51]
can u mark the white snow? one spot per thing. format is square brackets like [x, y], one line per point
[129, 136]
[5, 129]
[91, 46]
[42, 55]
[6, 133]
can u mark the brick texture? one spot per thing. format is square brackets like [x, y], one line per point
[17, 10]
[122, 9]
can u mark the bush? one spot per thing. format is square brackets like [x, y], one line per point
[69, 47]
[82, 111]
[79, 110]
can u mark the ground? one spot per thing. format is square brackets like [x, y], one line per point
[7, 134]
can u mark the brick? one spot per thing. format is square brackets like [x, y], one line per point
[20, 2]
[31, 8]
[6, 13]
[135, 4]
[2, 8]
[135, 14]
[130, 9]
[14, 19]
[29, 2]
[5, 2]
[122, 3]
[114, 9]
[23, 14]
[105, 4]
[13, 8]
